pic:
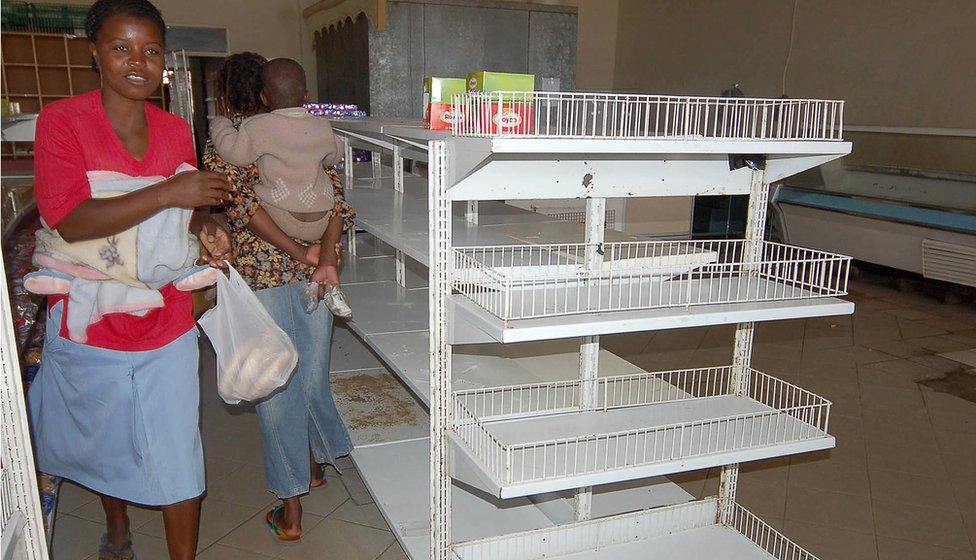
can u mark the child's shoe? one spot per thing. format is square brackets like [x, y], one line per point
[335, 300]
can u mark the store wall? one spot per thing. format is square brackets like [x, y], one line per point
[269, 27]
[896, 63]
[596, 41]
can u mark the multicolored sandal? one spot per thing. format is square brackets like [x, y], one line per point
[124, 552]
[279, 533]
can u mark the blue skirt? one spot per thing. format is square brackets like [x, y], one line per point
[124, 424]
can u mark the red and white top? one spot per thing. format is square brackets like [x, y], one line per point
[73, 137]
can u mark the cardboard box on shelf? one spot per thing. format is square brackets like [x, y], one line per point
[500, 81]
[509, 114]
[439, 111]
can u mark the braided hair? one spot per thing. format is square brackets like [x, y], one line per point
[239, 82]
[101, 10]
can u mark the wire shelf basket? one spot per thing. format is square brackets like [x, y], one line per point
[541, 114]
[530, 281]
[534, 432]
[698, 520]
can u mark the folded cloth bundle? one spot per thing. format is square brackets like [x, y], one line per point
[124, 272]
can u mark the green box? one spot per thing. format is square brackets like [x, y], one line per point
[442, 90]
[500, 81]
[439, 93]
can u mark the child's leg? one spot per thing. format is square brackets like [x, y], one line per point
[328, 268]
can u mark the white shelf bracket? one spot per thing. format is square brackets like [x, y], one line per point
[401, 268]
[376, 159]
[440, 216]
[744, 332]
[351, 240]
[397, 168]
[347, 158]
[595, 227]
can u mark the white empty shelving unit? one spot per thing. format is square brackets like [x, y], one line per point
[537, 453]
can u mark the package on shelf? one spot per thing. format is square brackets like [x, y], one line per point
[507, 113]
[439, 111]
[335, 110]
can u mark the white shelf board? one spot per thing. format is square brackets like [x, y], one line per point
[372, 125]
[403, 310]
[401, 221]
[546, 428]
[381, 268]
[681, 532]
[397, 476]
[487, 365]
[523, 330]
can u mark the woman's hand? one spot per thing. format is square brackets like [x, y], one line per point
[311, 256]
[194, 189]
[215, 240]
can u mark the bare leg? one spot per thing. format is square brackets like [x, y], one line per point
[116, 521]
[182, 521]
[290, 520]
[318, 478]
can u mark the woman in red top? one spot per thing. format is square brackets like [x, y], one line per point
[120, 413]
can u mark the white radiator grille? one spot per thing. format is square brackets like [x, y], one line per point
[949, 262]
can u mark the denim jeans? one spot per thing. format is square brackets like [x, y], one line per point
[302, 415]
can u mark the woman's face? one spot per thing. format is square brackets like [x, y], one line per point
[129, 54]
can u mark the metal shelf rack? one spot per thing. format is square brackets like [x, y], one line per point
[503, 445]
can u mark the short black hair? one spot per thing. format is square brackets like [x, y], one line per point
[284, 83]
[101, 10]
[239, 82]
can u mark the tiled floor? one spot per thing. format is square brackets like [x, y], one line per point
[900, 485]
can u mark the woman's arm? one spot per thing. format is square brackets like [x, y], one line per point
[102, 217]
[265, 228]
[64, 195]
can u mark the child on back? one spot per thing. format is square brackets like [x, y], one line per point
[292, 148]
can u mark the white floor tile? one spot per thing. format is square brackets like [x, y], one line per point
[75, 538]
[334, 539]
[254, 536]
[937, 527]
[896, 549]
[368, 515]
[221, 552]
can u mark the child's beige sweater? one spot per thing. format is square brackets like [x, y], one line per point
[290, 146]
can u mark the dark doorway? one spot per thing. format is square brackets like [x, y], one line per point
[342, 59]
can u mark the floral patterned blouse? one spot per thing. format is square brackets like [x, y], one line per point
[261, 264]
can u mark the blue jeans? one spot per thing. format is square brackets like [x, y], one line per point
[303, 415]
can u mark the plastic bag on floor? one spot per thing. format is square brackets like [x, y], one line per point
[254, 356]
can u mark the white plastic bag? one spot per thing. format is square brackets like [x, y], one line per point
[254, 356]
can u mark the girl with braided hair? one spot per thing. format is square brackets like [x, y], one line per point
[301, 430]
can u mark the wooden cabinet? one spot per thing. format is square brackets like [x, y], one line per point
[40, 68]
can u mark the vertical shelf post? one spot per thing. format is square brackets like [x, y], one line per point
[440, 271]
[400, 265]
[347, 156]
[347, 185]
[745, 332]
[376, 159]
[595, 227]
[397, 168]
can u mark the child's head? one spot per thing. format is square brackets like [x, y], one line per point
[284, 84]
